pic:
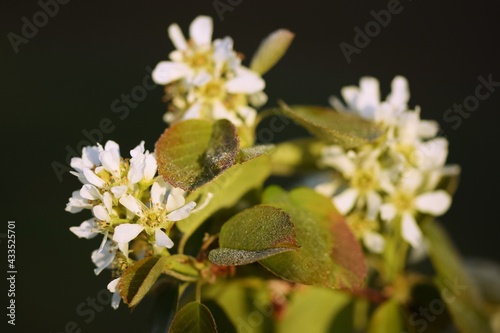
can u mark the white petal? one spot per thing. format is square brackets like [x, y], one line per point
[182, 212]
[158, 193]
[177, 37]
[193, 112]
[345, 200]
[221, 112]
[327, 189]
[107, 200]
[162, 239]
[400, 94]
[101, 213]
[85, 230]
[113, 284]
[151, 167]
[428, 129]
[374, 241]
[388, 211]
[335, 157]
[246, 82]
[111, 161]
[411, 180]
[434, 203]
[167, 71]
[136, 171]
[123, 248]
[200, 30]
[201, 78]
[410, 230]
[118, 191]
[175, 199]
[102, 259]
[115, 300]
[93, 178]
[90, 192]
[132, 204]
[349, 94]
[248, 114]
[110, 145]
[77, 203]
[368, 98]
[373, 204]
[124, 233]
[138, 150]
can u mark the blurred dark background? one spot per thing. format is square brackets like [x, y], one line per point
[64, 79]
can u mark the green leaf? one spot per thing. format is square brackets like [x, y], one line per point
[333, 127]
[138, 279]
[329, 254]
[457, 289]
[195, 152]
[387, 318]
[193, 318]
[312, 310]
[247, 302]
[226, 190]
[254, 234]
[182, 267]
[247, 154]
[271, 50]
[292, 157]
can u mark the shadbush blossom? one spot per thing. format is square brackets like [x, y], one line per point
[394, 179]
[206, 79]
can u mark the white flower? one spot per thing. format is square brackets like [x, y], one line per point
[142, 165]
[406, 200]
[207, 79]
[366, 230]
[77, 203]
[113, 287]
[104, 257]
[362, 172]
[365, 100]
[86, 230]
[154, 218]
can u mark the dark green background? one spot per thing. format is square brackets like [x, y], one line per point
[65, 79]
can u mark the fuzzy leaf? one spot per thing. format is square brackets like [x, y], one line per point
[138, 279]
[226, 190]
[329, 254]
[254, 234]
[195, 152]
[333, 127]
[458, 290]
[193, 318]
[271, 50]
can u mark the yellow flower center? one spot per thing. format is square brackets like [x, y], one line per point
[364, 180]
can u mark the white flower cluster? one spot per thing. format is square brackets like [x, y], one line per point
[388, 184]
[127, 199]
[205, 79]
